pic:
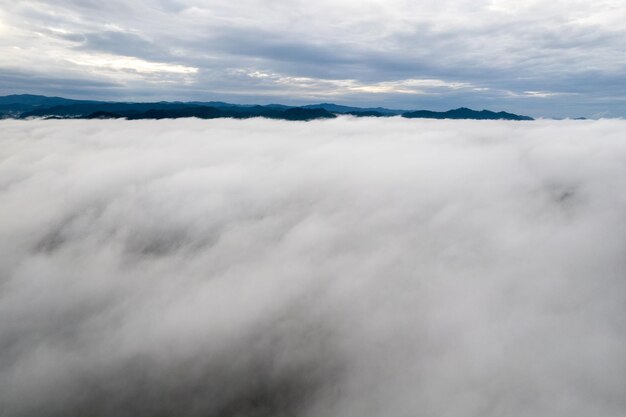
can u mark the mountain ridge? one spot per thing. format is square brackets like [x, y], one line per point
[22, 106]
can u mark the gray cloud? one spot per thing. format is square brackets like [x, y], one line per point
[123, 44]
[559, 48]
[348, 267]
[33, 82]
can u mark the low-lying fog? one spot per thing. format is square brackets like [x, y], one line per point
[351, 268]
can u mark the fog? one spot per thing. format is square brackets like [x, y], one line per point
[348, 267]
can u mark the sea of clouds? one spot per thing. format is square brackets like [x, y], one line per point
[349, 267]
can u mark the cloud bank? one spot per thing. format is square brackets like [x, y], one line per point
[334, 268]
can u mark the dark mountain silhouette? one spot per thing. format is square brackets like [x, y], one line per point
[16, 104]
[97, 115]
[300, 113]
[368, 113]
[26, 106]
[82, 109]
[464, 113]
[207, 112]
[34, 100]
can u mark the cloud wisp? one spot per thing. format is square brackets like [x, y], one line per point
[380, 267]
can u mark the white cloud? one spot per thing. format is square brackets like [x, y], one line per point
[380, 267]
[116, 63]
[330, 87]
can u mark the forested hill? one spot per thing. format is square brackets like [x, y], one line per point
[33, 106]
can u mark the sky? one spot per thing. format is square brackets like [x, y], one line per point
[351, 267]
[562, 58]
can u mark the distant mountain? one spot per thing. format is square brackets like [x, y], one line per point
[26, 106]
[367, 113]
[17, 104]
[337, 108]
[33, 100]
[208, 112]
[81, 109]
[464, 113]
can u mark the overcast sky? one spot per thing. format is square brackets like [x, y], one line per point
[543, 58]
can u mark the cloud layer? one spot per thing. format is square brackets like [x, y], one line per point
[559, 58]
[334, 268]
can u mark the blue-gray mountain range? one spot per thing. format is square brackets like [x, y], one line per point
[28, 106]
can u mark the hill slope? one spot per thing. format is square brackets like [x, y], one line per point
[26, 106]
[464, 113]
